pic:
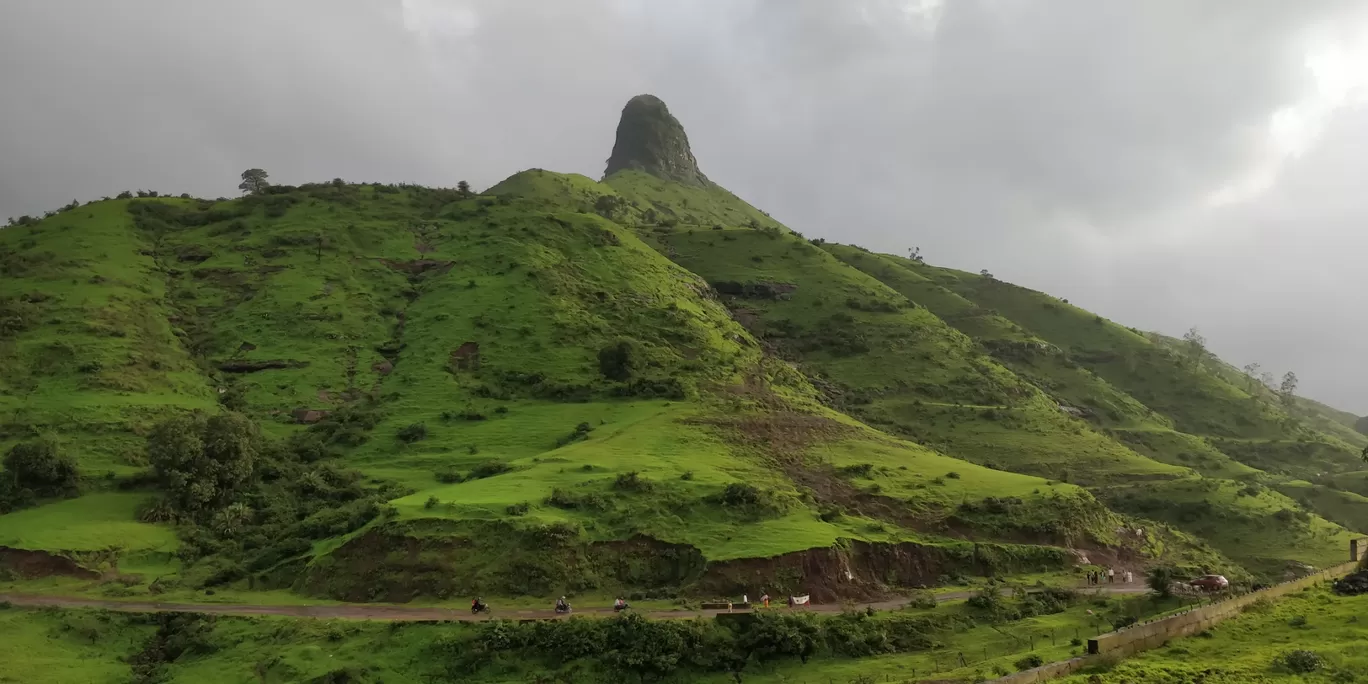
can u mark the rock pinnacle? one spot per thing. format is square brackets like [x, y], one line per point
[650, 139]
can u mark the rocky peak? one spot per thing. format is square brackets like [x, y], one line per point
[650, 139]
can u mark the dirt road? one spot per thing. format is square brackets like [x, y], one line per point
[364, 611]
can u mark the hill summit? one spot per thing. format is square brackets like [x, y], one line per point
[650, 139]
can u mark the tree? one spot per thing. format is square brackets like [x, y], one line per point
[986, 274]
[1288, 389]
[1364, 455]
[42, 468]
[618, 360]
[463, 187]
[1195, 345]
[253, 181]
[1252, 371]
[915, 254]
[607, 205]
[202, 462]
[777, 635]
[1160, 580]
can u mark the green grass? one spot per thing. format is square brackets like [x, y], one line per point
[52, 648]
[1246, 648]
[65, 646]
[96, 522]
[1253, 525]
[938, 403]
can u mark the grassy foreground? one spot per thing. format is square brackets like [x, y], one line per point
[977, 638]
[1311, 636]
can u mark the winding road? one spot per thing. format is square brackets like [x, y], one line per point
[392, 613]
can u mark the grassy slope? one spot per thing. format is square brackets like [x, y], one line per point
[332, 295]
[96, 351]
[342, 294]
[95, 522]
[897, 365]
[1087, 362]
[1246, 648]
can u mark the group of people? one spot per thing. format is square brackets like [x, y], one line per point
[478, 605]
[1108, 576]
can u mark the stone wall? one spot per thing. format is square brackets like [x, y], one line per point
[1145, 636]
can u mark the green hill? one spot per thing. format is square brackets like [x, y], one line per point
[642, 385]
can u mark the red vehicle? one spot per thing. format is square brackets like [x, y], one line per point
[1211, 583]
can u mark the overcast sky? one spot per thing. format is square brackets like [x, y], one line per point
[1166, 163]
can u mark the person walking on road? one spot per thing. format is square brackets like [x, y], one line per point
[1111, 575]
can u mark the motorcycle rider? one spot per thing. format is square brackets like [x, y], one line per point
[562, 606]
[619, 604]
[478, 605]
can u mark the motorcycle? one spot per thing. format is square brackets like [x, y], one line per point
[563, 610]
[619, 609]
[479, 608]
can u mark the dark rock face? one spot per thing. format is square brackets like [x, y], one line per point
[1362, 425]
[650, 139]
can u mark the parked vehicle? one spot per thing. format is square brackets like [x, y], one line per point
[1211, 583]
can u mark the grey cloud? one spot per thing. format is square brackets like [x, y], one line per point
[1049, 141]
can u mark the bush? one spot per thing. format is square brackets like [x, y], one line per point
[518, 509]
[1300, 661]
[632, 482]
[741, 494]
[1029, 662]
[489, 469]
[431, 503]
[617, 361]
[922, 600]
[860, 470]
[412, 433]
[449, 476]
[580, 432]
[41, 467]
[1160, 580]
[563, 499]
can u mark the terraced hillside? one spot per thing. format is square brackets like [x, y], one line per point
[379, 392]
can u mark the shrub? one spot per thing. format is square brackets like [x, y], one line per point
[741, 494]
[489, 469]
[1160, 580]
[432, 502]
[518, 509]
[40, 466]
[580, 432]
[1300, 661]
[861, 470]
[922, 600]
[953, 475]
[592, 501]
[632, 482]
[449, 476]
[412, 433]
[1029, 662]
[617, 361]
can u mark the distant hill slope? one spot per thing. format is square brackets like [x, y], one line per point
[641, 384]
